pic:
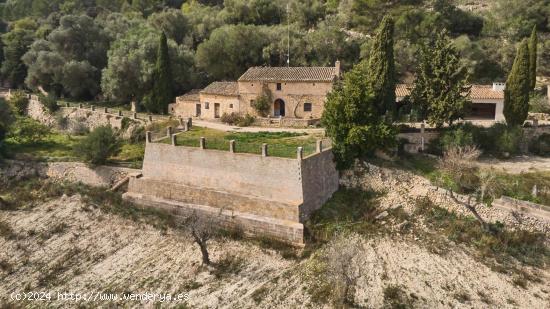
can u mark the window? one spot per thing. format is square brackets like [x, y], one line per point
[230, 105]
[279, 87]
[206, 105]
[307, 107]
[252, 102]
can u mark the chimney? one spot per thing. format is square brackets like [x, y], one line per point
[499, 86]
[337, 68]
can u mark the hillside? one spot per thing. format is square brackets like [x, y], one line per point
[73, 243]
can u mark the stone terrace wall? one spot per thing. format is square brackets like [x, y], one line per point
[263, 195]
[270, 178]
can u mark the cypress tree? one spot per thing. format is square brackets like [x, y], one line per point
[381, 67]
[440, 93]
[533, 41]
[516, 93]
[162, 92]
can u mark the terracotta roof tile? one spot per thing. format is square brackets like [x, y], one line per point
[289, 74]
[222, 88]
[477, 91]
[192, 95]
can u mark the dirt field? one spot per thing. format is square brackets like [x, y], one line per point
[67, 245]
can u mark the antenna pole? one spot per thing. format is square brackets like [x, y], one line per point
[288, 35]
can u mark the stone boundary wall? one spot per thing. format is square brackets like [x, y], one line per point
[523, 207]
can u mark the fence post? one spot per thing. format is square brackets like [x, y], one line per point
[92, 108]
[203, 143]
[189, 122]
[134, 115]
[106, 110]
[174, 141]
[300, 153]
[422, 130]
[150, 117]
[148, 136]
[264, 150]
[79, 105]
[169, 131]
[120, 113]
[232, 146]
[319, 146]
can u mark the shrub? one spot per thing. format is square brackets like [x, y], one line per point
[28, 130]
[237, 119]
[97, 147]
[246, 121]
[6, 118]
[541, 145]
[231, 119]
[19, 102]
[503, 140]
[262, 104]
[539, 104]
[462, 135]
[49, 102]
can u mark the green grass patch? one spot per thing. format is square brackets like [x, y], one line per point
[53, 146]
[280, 144]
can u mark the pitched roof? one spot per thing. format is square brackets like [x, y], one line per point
[476, 92]
[289, 74]
[485, 92]
[222, 88]
[192, 95]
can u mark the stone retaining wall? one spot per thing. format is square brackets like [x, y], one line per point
[278, 190]
[103, 176]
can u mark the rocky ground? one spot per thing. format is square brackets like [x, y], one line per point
[69, 245]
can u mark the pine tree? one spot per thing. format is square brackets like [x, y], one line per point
[516, 93]
[440, 93]
[162, 92]
[352, 121]
[533, 41]
[381, 67]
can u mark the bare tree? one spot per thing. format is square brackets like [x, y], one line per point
[342, 267]
[459, 164]
[202, 229]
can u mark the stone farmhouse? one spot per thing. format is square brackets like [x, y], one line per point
[298, 94]
[487, 101]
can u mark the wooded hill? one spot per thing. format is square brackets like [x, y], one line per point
[90, 48]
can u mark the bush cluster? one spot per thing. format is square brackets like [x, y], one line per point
[19, 102]
[49, 102]
[28, 130]
[99, 145]
[541, 145]
[237, 119]
[499, 140]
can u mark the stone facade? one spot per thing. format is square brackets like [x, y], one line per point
[254, 188]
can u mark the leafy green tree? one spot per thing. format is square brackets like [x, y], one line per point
[202, 18]
[173, 23]
[440, 92]
[16, 43]
[19, 102]
[162, 92]
[533, 41]
[352, 121]
[257, 12]
[381, 78]
[222, 54]
[101, 144]
[132, 59]
[516, 93]
[70, 59]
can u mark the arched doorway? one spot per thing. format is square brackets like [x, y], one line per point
[279, 108]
